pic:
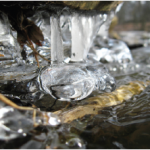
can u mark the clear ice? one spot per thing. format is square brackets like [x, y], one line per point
[77, 79]
[108, 50]
[68, 37]
[15, 123]
[41, 19]
[9, 47]
[56, 41]
[11, 128]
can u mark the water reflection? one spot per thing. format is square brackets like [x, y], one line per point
[124, 125]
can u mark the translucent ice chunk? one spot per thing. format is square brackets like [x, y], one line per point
[75, 81]
[67, 82]
[109, 50]
[42, 20]
[116, 51]
[104, 81]
[5, 29]
[9, 47]
[65, 24]
[56, 41]
[72, 35]
[13, 123]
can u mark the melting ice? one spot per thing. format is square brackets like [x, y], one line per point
[109, 50]
[76, 80]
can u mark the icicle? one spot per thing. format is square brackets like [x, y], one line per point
[83, 31]
[56, 41]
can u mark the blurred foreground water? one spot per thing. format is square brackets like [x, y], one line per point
[124, 125]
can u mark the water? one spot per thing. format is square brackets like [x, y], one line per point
[124, 125]
[79, 43]
[121, 126]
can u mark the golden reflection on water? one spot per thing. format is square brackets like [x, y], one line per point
[95, 104]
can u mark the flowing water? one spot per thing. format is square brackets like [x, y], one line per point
[75, 73]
